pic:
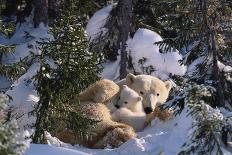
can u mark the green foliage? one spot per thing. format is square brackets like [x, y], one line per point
[12, 71]
[192, 19]
[204, 23]
[9, 142]
[15, 70]
[6, 28]
[82, 8]
[73, 68]
[207, 135]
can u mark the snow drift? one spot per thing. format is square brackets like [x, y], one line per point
[141, 47]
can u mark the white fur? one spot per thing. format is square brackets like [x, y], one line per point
[131, 112]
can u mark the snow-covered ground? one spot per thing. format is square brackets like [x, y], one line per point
[166, 137]
[95, 26]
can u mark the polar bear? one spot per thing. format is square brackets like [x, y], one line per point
[103, 91]
[93, 105]
[130, 109]
[154, 92]
[100, 92]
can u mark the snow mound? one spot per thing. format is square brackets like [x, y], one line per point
[24, 98]
[142, 47]
[40, 149]
[95, 26]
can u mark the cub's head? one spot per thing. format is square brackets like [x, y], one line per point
[153, 90]
[128, 98]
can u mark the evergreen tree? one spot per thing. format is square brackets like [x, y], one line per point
[10, 144]
[211, 132]
[203, 23]
[74, 68]
[13, 71]
[119, 27]
[40, 12]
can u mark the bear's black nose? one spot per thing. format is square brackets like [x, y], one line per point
[148, 110]
[117, 106]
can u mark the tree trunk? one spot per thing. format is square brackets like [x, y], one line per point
[11, 8]
[125, 19]
[23, 13]
[41, 121]
[212, 49]
[216, 73]
[53, 9]
[41, 12]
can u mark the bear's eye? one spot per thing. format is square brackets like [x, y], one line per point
[125, 102]
[141, 92]
[157, 94]
[119, 98]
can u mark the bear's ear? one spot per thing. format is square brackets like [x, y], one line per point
[168, 85]
[139, 98]
[130, 79]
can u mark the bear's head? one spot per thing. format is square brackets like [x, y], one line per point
[128, 98]
[153, 90]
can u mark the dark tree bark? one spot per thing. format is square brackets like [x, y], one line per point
[212, 47]
[53, 10]
[216, 73]
[24, 12]
[40, 125]
[41, 12]
[11, 7]
[17, 8]
[125, 19]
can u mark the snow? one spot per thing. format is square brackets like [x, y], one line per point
[41, 149]
[193, 66]
[27, 40]
[95, 26]
[24, 98]
[223, 67]
[22, 91]
[166, 137]
[142, 45]
[111, 69]
[4, 83]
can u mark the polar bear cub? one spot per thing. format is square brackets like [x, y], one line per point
[130, 109]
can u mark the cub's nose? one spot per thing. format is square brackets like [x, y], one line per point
[148, 110]
[117, 106]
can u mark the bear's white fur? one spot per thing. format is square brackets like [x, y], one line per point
[94, 104]
[154, 92]
[130, 109]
